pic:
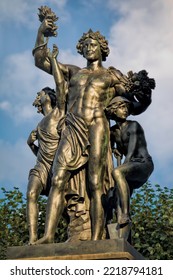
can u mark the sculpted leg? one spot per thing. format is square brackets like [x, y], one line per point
[33, 192]
[97, 215]
[124, 193]
[97, 162]
[55, 205]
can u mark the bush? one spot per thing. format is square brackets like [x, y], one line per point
[151, 211]
[13, 221]
[152, 217]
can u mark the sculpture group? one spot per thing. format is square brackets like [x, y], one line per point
[76, 144]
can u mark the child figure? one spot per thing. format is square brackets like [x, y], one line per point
[131, 143]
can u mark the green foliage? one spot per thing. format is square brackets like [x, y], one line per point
[152, 217]
[13, 221]
[13, 228]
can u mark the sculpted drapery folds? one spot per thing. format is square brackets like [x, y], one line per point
[51, 104]
[85, 140]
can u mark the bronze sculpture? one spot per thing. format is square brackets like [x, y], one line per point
[85, 140]
[130, 142]
[52, 106]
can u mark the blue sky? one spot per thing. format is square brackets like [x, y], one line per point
[140, 37]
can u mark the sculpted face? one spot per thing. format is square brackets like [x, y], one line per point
[122, 111]
[40, 100]
[91, 49]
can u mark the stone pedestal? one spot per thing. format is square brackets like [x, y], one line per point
[115, 249]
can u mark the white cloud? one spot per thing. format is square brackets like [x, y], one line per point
[60, 3]
[20, 81]
[5, 105]
[24, 81]
[67, 57]
[16, 10]
[25, 11]
[142, 39]
[142, 36]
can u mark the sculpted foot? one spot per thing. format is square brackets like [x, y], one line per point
[44, 240]
[124, 219]
[32, 240]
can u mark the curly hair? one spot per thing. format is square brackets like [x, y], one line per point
[95, 36]
[51, 94]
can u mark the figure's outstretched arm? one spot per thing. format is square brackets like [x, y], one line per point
[46, 30]
[61, 84]
[43, 62]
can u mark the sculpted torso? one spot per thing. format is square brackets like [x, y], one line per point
[90, 92]
[49, 123]
[131, 139]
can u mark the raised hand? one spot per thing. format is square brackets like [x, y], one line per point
[48, 19]
[54, 52]
[48, 27]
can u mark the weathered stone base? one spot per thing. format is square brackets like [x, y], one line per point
[118, 249]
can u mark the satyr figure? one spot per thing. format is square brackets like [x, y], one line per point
[52, 106]
[85, 139]
[130, 142]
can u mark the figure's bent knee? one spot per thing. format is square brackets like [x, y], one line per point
[117, 174]
[59, 182]
[32, 195]
[95, 183]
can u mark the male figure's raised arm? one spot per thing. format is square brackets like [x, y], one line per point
[40, 50]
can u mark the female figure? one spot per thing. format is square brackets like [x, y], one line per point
[131, 143]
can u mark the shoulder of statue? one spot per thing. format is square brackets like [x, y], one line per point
[134, 124]
[118, 75]
[114, 71]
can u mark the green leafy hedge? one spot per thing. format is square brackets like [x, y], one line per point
[151, 210]
[152, 216]
[13, 225]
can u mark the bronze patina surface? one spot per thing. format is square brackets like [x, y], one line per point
[79, 170]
